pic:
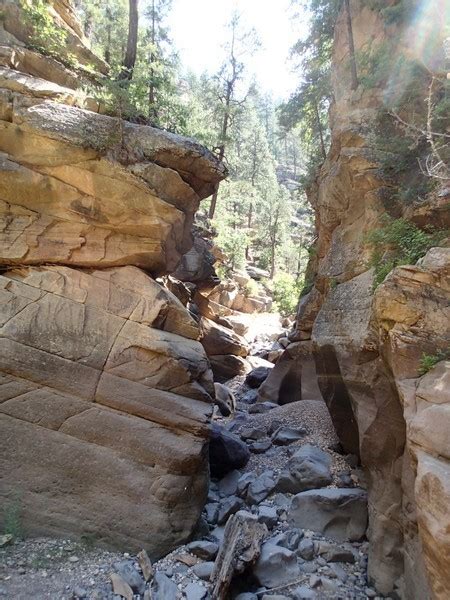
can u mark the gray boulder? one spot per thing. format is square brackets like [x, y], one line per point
[287, 435]
[163, 588]
[268, 515]
[261, 487]
[276, 566]
[308, 469]
[253, 433]
[228, 507]
[228, 485]
[129, 574]
[289, 539]
[195, 591]
[340, 514]
[204, 550]
[306, 549]
[261, 446]
[226, 452]
[203, 570]
[256, 377]
[250, 397]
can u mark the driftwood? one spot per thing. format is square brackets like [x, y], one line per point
[240, 548]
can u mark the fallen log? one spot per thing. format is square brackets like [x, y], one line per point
[240, 548]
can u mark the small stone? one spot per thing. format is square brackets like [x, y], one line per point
[250, 397]
[268, 515]
[228, 485]
[370, 593]
[261, 446]
[244, 481]
[213, 496]
[79, 592]
[259, 489]
[303, 593]
[203, 570]
[287, 435]
[306, 549]
[145, 564]
[204, 550]
[338, 572]
[314, 581]
[195, 591]
[126, 570]
[121, 587]
[228, 507]
[256, 377]
[253, 433]
[246, 596]
[163, 588]
[6, 539]
[329, 585]
[262, 407]
[211, 512]
[73, 559]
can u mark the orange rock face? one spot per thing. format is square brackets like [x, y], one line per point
[105, 389]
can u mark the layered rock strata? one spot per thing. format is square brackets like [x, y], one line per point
[106, 391]
[368, 348]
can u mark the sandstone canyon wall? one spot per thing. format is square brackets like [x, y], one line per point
[105, 389]
[368, 345]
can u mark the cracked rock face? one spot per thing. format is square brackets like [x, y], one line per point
[368, 346]
[105, 405]
[105, 389]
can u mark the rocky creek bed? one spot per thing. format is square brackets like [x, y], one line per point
[279, 466]
[296, 482]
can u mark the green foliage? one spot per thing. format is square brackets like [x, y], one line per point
[399, 242]
[398, 12]
[46, 36]
[428, 361]
[285, 291]
[12, 517]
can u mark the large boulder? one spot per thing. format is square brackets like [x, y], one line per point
[226, 452]
[340, 514]
[217, 339]
[307, 469]
[293, 378]
[106, 403]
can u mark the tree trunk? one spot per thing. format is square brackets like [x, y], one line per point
[221, 155]
[319, 127]
[130, 54]
[152, 113]
[241, 548]
[351, 46]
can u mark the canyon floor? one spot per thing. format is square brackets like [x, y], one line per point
[295, 562]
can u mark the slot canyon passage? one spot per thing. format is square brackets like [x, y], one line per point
[225, 372]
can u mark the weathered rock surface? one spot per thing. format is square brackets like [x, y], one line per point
[293, 378]
[340, 514]
[308, 469]
[77, 191]
[226, 452]
[106, 402]
[368, 347]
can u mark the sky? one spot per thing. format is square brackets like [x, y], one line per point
[198, 30]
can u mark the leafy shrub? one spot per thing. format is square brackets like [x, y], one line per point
[46, 37]
[400, 242]
[251, 288]
[286, 292]
[12, 517]
[428, 361]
